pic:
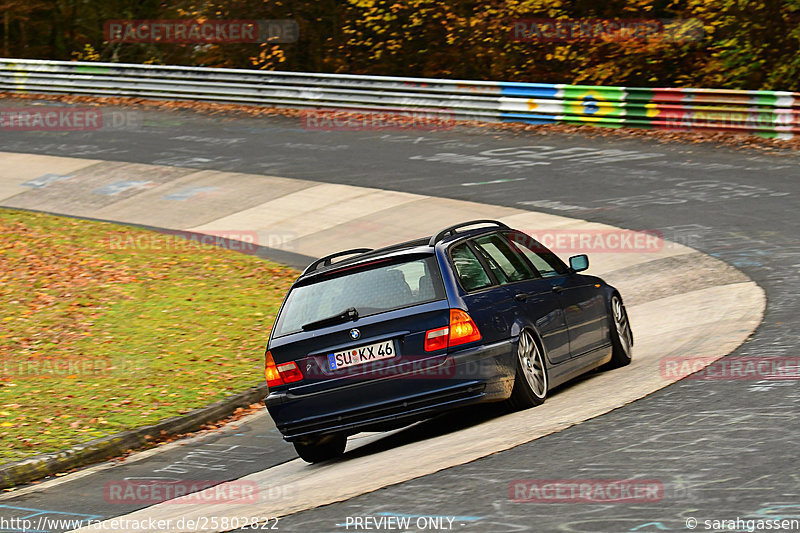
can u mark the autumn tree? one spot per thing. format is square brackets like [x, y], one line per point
[743, 44]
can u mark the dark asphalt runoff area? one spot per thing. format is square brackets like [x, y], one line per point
[721, 449]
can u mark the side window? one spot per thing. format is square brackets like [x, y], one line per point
[502, 256]
[469, 270]
[540, 257]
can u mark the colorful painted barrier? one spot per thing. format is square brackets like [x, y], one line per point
[774, 114]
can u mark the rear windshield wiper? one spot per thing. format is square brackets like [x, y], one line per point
[348, 314]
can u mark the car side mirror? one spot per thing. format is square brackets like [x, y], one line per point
[579, 263]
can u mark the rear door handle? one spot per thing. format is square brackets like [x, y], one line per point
[521, 297]
[557, 289]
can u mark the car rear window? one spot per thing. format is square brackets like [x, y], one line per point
[384, 287]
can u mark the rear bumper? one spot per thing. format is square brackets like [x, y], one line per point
[472, 375]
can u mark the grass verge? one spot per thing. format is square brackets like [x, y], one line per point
[105, 328]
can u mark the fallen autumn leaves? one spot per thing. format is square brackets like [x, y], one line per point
[95, 339]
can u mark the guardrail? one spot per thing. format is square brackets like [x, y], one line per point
[766, 113]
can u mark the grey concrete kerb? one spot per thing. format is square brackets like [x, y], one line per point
[109, 447]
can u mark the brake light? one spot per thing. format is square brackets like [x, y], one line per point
[271, 371]
[462, 329]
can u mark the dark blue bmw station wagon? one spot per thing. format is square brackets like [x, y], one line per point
[477, 313]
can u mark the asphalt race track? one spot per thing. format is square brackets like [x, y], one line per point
[723, 449]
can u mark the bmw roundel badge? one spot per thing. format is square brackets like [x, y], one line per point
[354, 334]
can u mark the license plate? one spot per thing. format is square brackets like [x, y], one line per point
[361, 355]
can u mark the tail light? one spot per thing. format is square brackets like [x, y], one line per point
[289, 372]
[462, 329]
[436, 339]
[271, 372]
[282, 373]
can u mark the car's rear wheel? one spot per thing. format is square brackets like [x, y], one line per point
[318, 449]
[530, 382]
[621, 335]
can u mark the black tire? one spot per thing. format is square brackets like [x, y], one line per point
[318, 449]
[621, 335]
[530, 381]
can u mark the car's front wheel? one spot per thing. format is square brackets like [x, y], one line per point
[318, 449]
[530, 382]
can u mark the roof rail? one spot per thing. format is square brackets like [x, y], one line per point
[326, 261]
[452, 229]
[421, 241]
